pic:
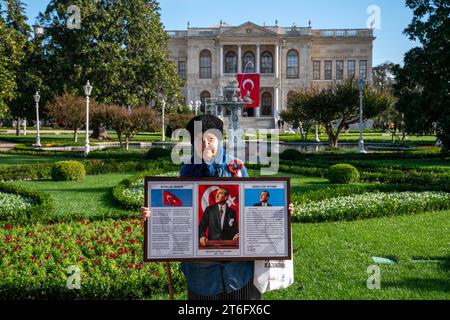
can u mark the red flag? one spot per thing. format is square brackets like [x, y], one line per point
[249, 83]
[172, 200]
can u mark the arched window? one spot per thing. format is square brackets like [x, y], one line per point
[205, 64]
[266, 104]
[248, 65]
[204, 98]
[266, 62]
[292, 64]
[231, 62]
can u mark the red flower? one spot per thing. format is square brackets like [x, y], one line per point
[112, 255]
[122, 251]
[80, 258]
[8, 227]
[17, 248]
[139, 266]
[47, 257]
[8, 239]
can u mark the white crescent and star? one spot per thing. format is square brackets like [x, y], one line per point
[205, 198]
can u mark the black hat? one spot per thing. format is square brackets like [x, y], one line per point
[208, 122]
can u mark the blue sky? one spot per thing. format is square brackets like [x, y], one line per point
[390, 44]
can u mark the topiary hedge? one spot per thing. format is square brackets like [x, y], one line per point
[370, 205]
[41, 209]
[68, 171]
[158, 153]
[343, 174]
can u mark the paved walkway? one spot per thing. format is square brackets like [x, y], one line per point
[6, 146]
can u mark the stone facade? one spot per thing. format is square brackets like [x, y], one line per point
[287, 58]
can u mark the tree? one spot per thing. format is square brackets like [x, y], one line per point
[422, 86]
[128, 122]
[337, 107]
[69, 112]
[383, 77]
[295, 114]
[121, 48]
[11, 56]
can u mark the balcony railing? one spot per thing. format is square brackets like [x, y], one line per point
[343, 33]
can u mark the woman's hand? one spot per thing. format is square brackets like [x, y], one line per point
[291, 209]
[145, 214]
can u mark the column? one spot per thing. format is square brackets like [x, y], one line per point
[258, 59]
[240, 59]
[276, 98]
[277, 56]
[221, 61]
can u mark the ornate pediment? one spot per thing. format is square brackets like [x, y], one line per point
[248, 29]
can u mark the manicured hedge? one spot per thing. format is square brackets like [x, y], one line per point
[343, 173]
[41, 210]
[370, 205]
[93, 167]
[68, 171]
[158, 153]
[34, 262]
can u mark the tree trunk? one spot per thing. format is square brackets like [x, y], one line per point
[100, 133]
[18, 126]
[75, 136]
[127, 143]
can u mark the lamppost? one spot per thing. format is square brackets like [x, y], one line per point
[198, 104]
[37, 98]
[361, 97]
[163, 119]
[87, 92]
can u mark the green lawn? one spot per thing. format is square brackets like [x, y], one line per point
[13, 160]
[331, 259]
[89, 198]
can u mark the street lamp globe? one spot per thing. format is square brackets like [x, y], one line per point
[87, 89]
[37, 97]
[38, 30]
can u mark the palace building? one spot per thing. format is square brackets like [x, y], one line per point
[287, 59]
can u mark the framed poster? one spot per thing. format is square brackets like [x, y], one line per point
[217, 219]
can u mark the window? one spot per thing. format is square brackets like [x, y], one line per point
[249, 63]
[316, 70]
[231, 62]
[363, 69]
[339, 70]
[182, 69]
[351, 69]
[266, 104]
[205, 65]
[292, 64]
[266, 62]
[204, 97]
[328, 70]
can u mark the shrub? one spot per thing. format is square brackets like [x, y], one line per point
[371, 205]
[343, 173]
[158, 153]
[40, 209]
[291, 154]
[68, 171]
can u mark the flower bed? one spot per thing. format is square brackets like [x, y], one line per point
[13, 203]
[370, 205]
[130, 192]
[34, 262]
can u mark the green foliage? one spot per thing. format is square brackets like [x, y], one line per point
[371, 205]
[291, 154]
[121, 48]
[40, 210]
[422, 86]
[338, 104]
[68, 171]
[343, 173]
[158, 153]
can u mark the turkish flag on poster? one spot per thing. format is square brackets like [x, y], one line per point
[249, 83]
[169, 199]
[207, 197]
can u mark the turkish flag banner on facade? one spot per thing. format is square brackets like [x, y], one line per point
[250, 83]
